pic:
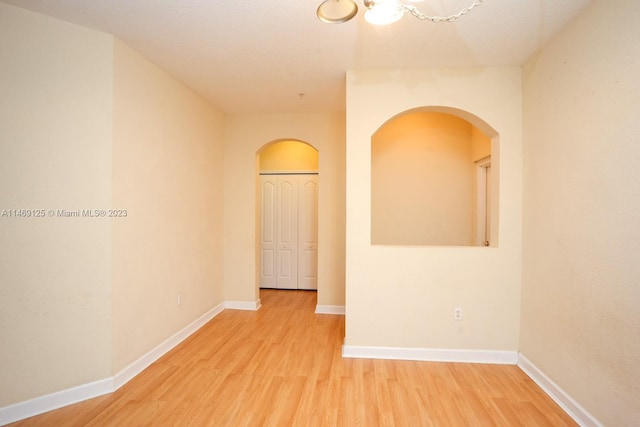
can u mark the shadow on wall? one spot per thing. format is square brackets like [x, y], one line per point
[433, 177]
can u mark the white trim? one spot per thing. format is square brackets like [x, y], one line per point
[330, 309]
[243, 305]
[49, 402]
[481, 208]
[431, 354]
[566, 402]
[128, 373]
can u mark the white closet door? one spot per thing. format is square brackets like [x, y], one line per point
[268, 185]
[308, 232]
[287, 232]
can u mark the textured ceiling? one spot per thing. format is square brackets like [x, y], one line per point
[259, 55]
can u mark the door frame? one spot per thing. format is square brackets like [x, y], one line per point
[482, 217]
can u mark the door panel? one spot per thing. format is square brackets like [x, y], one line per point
[287, 232]
[268, 233]
[308, 232]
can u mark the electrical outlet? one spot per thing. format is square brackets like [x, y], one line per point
[179, 299]
[457, 313]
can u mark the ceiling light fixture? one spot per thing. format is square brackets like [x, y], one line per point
[381, 12]
[336, 11]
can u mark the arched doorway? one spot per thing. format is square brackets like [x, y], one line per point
[287, 204]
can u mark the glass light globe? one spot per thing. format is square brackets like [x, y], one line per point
[383, 12]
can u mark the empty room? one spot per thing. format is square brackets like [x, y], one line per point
[328, 212]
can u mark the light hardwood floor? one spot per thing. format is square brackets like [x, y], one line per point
[282, 366]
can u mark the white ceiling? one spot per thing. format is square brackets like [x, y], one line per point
[257, 56]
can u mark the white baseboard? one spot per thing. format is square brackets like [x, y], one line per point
[128, 373]
[243, 305]
[330, 309]
[431, 354]
[49, 402]
[566, 402]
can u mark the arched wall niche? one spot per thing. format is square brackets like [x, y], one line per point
[434, 179]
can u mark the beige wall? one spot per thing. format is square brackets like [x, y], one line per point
[245, 135]
[581, 295]
[404, 296]
[422, 181]
[89, 124]
[480, 144]
[288, 156]
[55, 153]
[167, 173]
